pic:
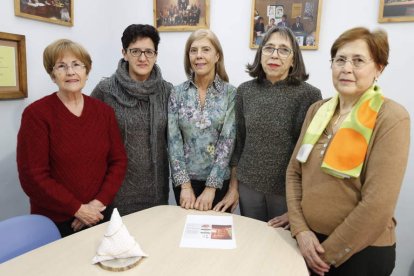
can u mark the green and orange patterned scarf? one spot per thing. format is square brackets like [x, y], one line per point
[345, 155]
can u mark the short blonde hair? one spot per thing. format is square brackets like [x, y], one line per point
[57, 49]
[200, 34]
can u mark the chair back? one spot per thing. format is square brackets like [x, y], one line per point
[21, 234]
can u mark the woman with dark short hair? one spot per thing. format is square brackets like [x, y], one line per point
[139, 95]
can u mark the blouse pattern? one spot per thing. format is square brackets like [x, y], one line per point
[201, 139]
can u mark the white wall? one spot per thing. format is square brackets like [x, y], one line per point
[99, 25]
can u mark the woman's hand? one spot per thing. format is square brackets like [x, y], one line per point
[280, 221]
[89, 214]
[187, 197]
[96, 203]
[310, 249]
[205, 201]
[77, 225]
[230, 200]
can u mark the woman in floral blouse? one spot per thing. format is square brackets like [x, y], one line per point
[201, 128]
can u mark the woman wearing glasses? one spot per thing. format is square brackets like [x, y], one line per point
[70, 156]
[201, 129]
[269, 113]
[345, 174]
[139, 95]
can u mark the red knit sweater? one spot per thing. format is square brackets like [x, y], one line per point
[64, 160]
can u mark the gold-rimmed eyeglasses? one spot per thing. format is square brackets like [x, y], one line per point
[136, 52]
[62, 67]
[356, 62]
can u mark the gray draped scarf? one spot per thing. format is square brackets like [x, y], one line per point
[129, 93]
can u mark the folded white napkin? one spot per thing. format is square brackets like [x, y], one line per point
[117, 243]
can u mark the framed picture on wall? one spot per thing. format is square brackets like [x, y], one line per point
[396, 11]
[302, 17]
[52, 11]
[181, 15]
[13, 73]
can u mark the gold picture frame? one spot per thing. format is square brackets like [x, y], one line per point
[13, 71]
[396, 11]
[181, 15]
[286, 13]
[52, 11]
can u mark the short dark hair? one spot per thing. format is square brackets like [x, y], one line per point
[377, 42]
[137, 31]
[297, 73]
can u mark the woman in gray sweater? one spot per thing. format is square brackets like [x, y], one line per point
[270, 110]
[139, 95]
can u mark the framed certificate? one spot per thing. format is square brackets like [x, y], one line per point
[13, 72]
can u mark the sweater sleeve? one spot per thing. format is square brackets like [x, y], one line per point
[175, 143]
[117, 163]
[385, 167]
[294, 182]
[312, 95]
[224, 145]
[240, 129]
[33, 166]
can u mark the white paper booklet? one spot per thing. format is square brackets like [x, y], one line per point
[208, 232]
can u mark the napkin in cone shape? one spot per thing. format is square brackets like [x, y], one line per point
[117, 242]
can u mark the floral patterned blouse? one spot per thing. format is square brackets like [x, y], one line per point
[201, 140]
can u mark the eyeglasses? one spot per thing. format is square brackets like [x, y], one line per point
[356, 62]
[282, 52]
[77, 67]
[135, 52]
[204, 51]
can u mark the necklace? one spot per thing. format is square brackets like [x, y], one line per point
[341, 115]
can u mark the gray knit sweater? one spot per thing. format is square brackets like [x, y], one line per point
[269, 118]
[146, 182]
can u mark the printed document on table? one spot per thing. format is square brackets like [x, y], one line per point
[208, 232]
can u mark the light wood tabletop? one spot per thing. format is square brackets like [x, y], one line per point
[261, 250]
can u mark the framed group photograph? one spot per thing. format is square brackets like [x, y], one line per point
[13, 72]
[181, 15]
[52, 11]
[301, 16]
[396, 11]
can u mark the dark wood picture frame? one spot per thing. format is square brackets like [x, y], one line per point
[396, 11]
[52, 11]
[13, 70]
[306, 12]
[181, 15]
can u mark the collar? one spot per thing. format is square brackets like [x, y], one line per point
[218, 83]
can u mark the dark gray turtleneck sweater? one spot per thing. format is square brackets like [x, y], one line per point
[269, 118]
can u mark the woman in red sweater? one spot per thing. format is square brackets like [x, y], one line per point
[70, 156]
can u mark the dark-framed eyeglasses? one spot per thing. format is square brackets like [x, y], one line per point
[282, 52]
[136, 52]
